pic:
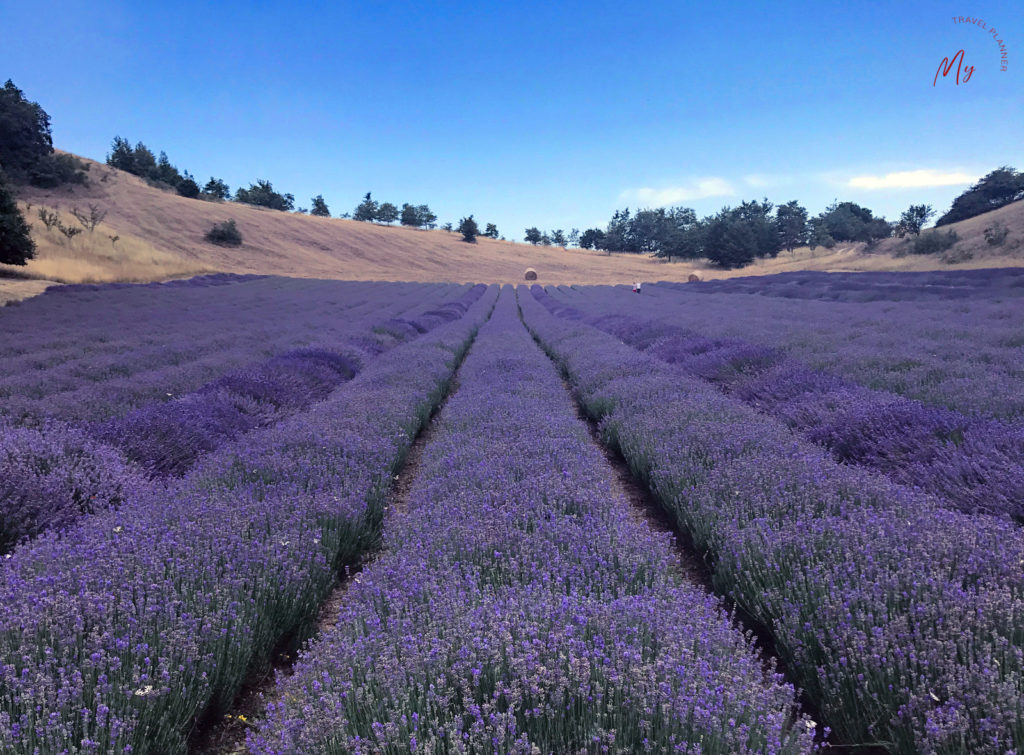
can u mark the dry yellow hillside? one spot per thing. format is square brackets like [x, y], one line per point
[152, 234]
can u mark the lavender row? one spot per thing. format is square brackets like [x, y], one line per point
[873, 286]
[137, 622]
[974, 464]
[964, 355]
[519, 606]
[166, 438]
[52, 477]
[900, 619]
[129, 351]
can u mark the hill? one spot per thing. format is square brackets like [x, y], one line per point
[152, 234]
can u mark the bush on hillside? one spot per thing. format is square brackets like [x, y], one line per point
[934, 242]
[996, 234]
[225, 234]
[469, 229]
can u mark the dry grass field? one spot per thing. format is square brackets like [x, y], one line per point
[159, 235]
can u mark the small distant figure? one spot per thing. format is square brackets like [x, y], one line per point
[636, 287]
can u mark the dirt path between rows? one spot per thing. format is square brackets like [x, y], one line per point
[226, 735]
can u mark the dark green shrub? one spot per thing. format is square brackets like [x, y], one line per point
[262, 194]
[934, 242]
[996, 234]
[225, 234]
[188, 188]
[469, 229]
[954, 256]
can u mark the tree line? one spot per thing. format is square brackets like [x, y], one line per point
[141, 161]
[736, 236]
[732, 237]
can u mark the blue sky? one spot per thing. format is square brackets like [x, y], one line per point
[537, 114]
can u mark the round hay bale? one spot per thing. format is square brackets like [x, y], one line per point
[531, 274]
[694, 278]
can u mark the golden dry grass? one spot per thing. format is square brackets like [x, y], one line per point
[14, 289]
[162, 236]
[102, 255]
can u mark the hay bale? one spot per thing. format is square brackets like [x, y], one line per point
[694, 278]
[531, 274]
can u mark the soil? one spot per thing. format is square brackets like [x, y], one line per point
[226, 735]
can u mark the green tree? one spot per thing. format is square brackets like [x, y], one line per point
[427, 218]
[913, 219]
[320, 207]
[491, 231]
[682, 236]
[366, 211]
[592, 238]
[558, 237]
[188, 187]
[145, 162]
[165, 172]
[847, 221]
[574, 237]
[729, 241]
[16, 245]
[262, 194]
[26, 146]
[818, 235]
[387, 213]
[25, 139]
[122, 156]
[533, 235]
[791, 224]
[469, 229]
[618, 236]
[995, 190]
[217, 189]
[409, 216]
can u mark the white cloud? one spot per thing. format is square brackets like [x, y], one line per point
[911, 179]
[699, 188]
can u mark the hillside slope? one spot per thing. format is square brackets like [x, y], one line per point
[152, 234]
[166, 234]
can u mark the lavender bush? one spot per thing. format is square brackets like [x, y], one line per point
[119, 634]
[52, 479]
[521, 607]
[973, 463]
[901, 619]
[108, 350]
[965, 354]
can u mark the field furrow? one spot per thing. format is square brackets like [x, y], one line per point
[901, 620]
[129, 351]
[965, 354]
[521, 606]
[975, 464]
[53, 476]
[150, 616]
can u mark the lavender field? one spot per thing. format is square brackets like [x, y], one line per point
[765, 515]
